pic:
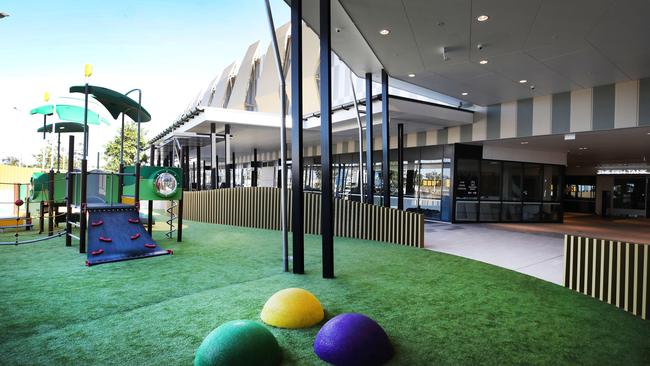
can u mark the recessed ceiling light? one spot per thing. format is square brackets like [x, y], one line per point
[482, 18]
[465, 93]
[384, 32]
[524, 142]
[583, 148]
[411, 75]
[523, 81]
[483, 62]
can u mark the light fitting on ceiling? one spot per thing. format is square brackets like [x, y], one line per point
[411, 75]
[483, 62]
[464, 93]
[523, 81]
[482, 18]
[384, 32]
[524, 142]
[583, 148]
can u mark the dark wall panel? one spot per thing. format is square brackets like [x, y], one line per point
[561, 113]
[525, 117]
[494, 121]
[603, 107]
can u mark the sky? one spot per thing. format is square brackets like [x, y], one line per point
[168, 48]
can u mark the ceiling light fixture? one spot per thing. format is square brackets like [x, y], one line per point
[523, 81]
[464, 93]
[384, 32]
[583, 148]
[411, 75]
[483, 62]
[482, 18]
[524, 142]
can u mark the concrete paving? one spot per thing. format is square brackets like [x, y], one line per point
[535, 254]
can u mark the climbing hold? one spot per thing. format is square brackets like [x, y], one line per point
[292, 308]
[151, 246]
[134, 221]
[239, 343]
[135, 236]
[105, 240]
[97, 252]
[96, 223]
[353, 339]
[169, 251]
[19, 202]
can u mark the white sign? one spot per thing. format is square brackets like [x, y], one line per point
[622, 172]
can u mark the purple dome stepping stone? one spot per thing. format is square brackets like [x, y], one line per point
[353, 339]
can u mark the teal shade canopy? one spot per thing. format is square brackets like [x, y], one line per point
[63, 127]
[116, 103]
[70, 113]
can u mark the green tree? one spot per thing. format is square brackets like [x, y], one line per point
[11, 160]
[112, 148]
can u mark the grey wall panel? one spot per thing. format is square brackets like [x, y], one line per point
[466, 133]
[644, 102]
[561, 113]
[422, 139]
[603, 107]
[493, 121]
[525, 117]
[443, 136]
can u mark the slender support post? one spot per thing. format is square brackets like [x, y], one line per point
[198, 168]
[70, 192]
[385, 139]
[152, 152]
[216, 171]
[181, 159]
[227, 154]
[370, 175]
[58, 152]
[120, 178]
[400, 166]
[254, 170]
[234, 171]
[83, 218]
[50, 205]
[298, 236]
[327, 209]
[360, 137]
[283, 141]
[44, 125]
[213, 156]
[202, 174]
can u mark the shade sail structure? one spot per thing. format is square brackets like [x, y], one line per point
[116, 103]
[63, 127]
[70, 113]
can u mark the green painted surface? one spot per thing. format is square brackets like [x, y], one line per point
[115, 102]
[40, 187]
[47, 109]
[437, 309]
[148, 182]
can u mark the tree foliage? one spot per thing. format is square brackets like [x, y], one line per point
[11, 160]
[112, 148]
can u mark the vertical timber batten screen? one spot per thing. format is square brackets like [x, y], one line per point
[612, 271]
[259, 207]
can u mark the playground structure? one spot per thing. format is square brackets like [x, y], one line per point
[103, 206]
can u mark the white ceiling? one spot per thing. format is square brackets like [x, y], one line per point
[557, 45]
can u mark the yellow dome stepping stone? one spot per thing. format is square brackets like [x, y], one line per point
[292, 308]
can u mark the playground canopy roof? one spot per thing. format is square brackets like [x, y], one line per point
[63, 127]
[116, 103]
[69, 113]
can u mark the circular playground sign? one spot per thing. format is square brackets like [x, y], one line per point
[166, 184]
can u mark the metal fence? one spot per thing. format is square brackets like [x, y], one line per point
[259, 207]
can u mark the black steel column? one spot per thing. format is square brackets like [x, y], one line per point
[179, 229]
[234, 166]
[152, 152]
[226, 144]
[385, 139]
[400, 166]
[213, 156]
[297, 223]
[327, 209]
[370, 142]
[198, 168]
[216, 171]
[254, 172]
[58, 151]
[83, 219]
[50, 204]
[70, 192]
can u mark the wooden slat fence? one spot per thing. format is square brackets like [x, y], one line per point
[259, 207]
[612, 271]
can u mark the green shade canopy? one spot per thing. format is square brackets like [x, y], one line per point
[70, 113]
[47, 109]
[116, 103]
[63, 127]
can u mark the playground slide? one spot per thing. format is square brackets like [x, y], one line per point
[116, 234]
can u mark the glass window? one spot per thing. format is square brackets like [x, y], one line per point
[629, 193]
[532, 183]
[511, 211]
[551, 183]
[512, 173]
[531, 212]
[551, 212]
[430, 186]
[467, 179]
[490, 180]
[466, 210]
[490, 211]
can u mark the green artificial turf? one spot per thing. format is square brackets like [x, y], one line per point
[436, 308]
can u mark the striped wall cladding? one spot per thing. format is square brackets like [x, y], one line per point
[612, 271]
[259, 207]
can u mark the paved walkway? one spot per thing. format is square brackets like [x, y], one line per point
[537, 255]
